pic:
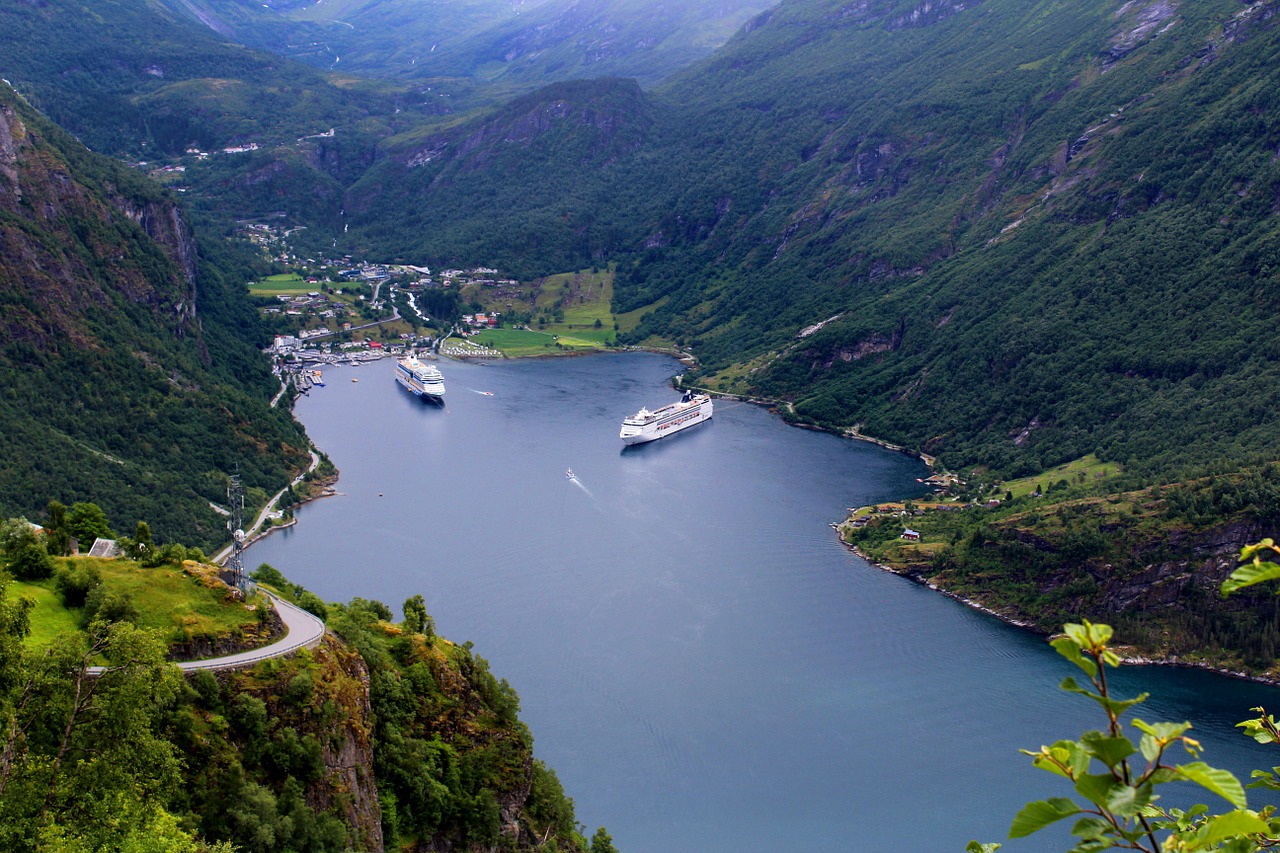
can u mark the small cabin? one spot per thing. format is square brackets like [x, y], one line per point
[911, 535]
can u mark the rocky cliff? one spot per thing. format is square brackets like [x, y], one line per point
[127, 356]
[1138, 561]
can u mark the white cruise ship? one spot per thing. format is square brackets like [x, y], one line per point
[422, 380]
[645, 425]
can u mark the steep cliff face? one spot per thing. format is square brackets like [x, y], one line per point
[387, 739]
[130, 371]
[348, 752]
[73, 237]
[1155, 578]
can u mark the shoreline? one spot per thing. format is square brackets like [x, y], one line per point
[1128, 656]
[853, 433]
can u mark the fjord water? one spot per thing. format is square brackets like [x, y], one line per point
[704, 665]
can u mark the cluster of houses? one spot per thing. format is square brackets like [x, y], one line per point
[314, 304]
[867, 515]
[481, 320]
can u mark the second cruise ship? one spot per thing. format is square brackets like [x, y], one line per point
[422, 380]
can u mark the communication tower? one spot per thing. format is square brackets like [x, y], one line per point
[235, 523]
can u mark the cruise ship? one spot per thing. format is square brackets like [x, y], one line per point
[422, 380]
[645, 425]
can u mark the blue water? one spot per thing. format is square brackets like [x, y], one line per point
[701, 661]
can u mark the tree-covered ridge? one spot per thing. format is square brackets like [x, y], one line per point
[138, 79]
[579, 39]
[1029, 229]
[1041, 228]
[1033, 230]
[128, 359]
[500, 187]
[1149, 561]
[383, 737]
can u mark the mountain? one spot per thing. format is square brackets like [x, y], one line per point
[574, 39]
[516, 44]
[137, 79]
[1007, 232]
[505, 188]
[381, 38]
[1032, 230]
[127, 352]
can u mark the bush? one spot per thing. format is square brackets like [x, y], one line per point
[108, 607]
[31, 562]
[75, 583]
[313, 604]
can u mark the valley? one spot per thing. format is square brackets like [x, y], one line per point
[1032, 242]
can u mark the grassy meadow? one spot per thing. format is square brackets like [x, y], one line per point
[168, 598]
[284, 284]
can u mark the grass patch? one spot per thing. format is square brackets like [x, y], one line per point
[517, 342]
[1086, 470]
[49, 618]
[628, 321]
[167, 599]
[290, 284]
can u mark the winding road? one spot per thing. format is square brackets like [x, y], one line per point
[302, 631]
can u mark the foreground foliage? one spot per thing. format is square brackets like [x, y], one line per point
[1116, 782]
[389, 737]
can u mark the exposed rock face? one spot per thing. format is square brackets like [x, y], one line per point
[348, 753]
[199, 649]
[870, 345]
[80, 248]
[335, 709]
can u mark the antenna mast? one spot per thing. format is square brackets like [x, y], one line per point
[235, 503]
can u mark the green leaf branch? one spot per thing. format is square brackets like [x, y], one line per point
[1116, 783]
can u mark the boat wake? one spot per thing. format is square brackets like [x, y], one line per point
[573, 478]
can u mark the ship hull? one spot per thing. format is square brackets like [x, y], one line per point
[666, 422]
[431, 390]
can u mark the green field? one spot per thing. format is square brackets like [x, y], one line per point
[583, 299]
[167, 598]
[284, 284]
[631, 319]
[48, 618]
[1086, 469]
[517, 342]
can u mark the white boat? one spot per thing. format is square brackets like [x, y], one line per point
[317, 378]
[645, 425]
[570, 474]
[422, 380]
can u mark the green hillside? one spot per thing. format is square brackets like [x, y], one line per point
[137, 79]
[577, 39]
[127, 355]
[1031, 230]
[1012, 233]
[1119, 312]
[384, 737]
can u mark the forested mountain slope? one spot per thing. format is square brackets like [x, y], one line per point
[381, 38]
[515, 44]
[576, 39]
[1045, 228]
[1036, 228]
[1031, 228]
[127, 356]
[522, 187]
[138, 79]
